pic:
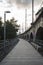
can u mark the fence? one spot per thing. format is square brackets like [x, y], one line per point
[8, 46]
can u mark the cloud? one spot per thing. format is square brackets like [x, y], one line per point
[1, 0]
[21, 3]
[24, 3]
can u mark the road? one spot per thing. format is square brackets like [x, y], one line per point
[23, 54]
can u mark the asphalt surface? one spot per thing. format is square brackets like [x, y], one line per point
[23, 54]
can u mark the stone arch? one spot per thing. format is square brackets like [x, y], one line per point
[27, 36]
[31, 36]
[39, 33]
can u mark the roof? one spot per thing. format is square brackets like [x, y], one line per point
[40, 10]
[41, 14]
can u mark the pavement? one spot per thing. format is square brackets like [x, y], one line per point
[23, 54]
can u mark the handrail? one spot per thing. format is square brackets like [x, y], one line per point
[39, 42]
[8, 43]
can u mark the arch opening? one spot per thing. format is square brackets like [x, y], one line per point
[31, 37]
[39, 34]
[27, 36]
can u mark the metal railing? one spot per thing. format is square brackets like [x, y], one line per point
[9, 42]
[39, 42]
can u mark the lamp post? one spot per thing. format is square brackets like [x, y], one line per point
[5, 26]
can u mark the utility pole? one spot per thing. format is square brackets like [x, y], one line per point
[32, 11]
[22, 27]
[25, 19]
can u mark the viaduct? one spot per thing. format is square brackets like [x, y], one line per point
[35, 32]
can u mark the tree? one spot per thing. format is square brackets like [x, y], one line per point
[0, 26]
[14, 23]
[10, 29]
[0, 22]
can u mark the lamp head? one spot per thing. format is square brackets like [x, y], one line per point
[7, 11]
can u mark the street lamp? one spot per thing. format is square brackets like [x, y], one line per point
[5, 26]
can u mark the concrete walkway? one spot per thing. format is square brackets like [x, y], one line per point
[23, 54]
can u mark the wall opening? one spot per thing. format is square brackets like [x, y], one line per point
[31, 37]
[27, 36]
[39, 34]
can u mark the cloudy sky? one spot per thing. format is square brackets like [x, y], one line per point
[17, 8]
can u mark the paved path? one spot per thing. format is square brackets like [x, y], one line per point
[23, 54]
